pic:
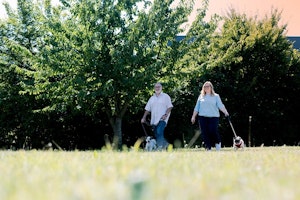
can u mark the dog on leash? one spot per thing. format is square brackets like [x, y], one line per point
[238, 143]
[150, 144]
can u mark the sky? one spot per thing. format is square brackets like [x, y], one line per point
[290, 10]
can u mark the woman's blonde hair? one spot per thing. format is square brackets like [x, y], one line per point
[203, 93]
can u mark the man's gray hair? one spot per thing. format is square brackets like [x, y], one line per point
[158, 83]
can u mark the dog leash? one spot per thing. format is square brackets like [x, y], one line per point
[231, 126]
[144, 129]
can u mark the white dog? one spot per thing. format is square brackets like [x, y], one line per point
[150, 144]
[238, 143]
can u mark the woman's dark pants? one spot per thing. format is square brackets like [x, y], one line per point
[209, 130]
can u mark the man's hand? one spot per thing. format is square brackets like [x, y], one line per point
[164, 117]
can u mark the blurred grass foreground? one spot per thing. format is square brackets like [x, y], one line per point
[256, 173]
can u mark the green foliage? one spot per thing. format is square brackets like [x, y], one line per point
[96, 55]
[253, 65]
[194, 52]
[19, 45]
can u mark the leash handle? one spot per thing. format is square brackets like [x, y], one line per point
[231, 126]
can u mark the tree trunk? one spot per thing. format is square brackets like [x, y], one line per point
[117, 128]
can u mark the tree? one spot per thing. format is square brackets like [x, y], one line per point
[186, 71]
[19, 43]
[254, 65]
[104, 55]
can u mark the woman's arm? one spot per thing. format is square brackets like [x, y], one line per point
[224, 111]
[195, 113]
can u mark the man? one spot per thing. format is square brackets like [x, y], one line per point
[160, 106]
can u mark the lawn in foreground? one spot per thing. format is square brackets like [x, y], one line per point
[256, 173]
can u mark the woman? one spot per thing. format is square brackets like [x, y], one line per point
[207, 108]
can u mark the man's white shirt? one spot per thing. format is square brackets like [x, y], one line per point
[158, 106]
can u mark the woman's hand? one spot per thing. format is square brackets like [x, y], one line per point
[226, 114]
[193, 120]
[195, 113]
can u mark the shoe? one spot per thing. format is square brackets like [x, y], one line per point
[218, 146]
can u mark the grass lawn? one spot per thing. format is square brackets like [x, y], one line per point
[256, 173]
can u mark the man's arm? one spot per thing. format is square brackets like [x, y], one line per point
[143, 120]
[168, 111]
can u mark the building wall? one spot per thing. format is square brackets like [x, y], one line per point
[296, 42]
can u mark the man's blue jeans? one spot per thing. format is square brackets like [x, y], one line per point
[159, 134]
